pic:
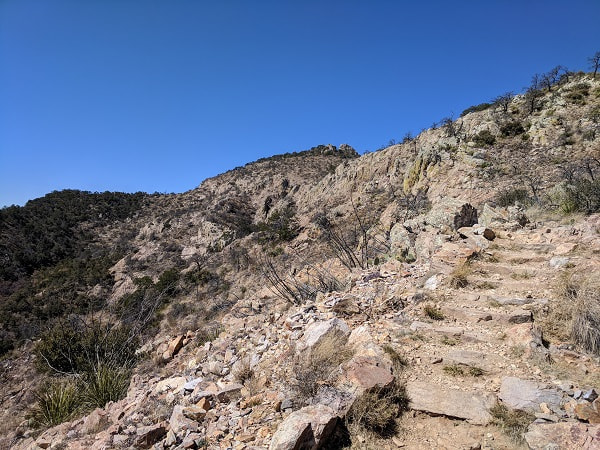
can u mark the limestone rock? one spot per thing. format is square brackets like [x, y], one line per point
[471, 406]
[527, 395]
[307, 428]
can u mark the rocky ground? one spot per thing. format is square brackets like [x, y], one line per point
[484, 346]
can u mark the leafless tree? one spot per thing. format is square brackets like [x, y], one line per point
[503, 101]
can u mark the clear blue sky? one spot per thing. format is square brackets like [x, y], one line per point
[130, 95]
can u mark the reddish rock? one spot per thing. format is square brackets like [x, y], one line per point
[150, 435]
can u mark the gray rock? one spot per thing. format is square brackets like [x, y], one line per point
[527, 395]
[558, 261]
[471, 406]
[307, 428]
[190, 385]
[319, 333]
[590, 395]
[471, 358]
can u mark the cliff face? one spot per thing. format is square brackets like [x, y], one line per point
[284, 292]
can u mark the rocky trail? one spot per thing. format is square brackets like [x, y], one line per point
[464, 325]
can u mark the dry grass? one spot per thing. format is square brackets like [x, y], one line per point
[433, 312]
[521, 276]
[458, 278]
[512, 423]
[585, 324]
[457, 370]
[399, 362]
[243, 371]
[376, 410]
[316, 367]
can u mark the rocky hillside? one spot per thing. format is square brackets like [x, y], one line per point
[439, 293]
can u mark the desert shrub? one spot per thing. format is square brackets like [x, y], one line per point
[512, 422]
[582, 195]
[585, 325]
[433, 313]
[377, 409]
[56, 402]
[484, 138]
[578, 93]
[104, 385]
[513, 128]
[77, 347]
[399, 362]
[281, 225]
[475, 108]
[314, 368]
[458, 278]
[510, 196]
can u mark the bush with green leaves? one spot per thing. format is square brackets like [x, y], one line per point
[582, 195]
[484, 138]
[513, 128]
[74, 346]
[476, 108]
[56, 402]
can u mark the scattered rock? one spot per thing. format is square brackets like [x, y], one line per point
[329, 331]
[563, 435]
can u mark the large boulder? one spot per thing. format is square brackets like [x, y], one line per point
[306, 429]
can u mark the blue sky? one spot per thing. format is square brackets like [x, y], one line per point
[147, 95]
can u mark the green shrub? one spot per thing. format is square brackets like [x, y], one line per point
[484, 138]
[475, 108]
[76, 347]
[56, 402]
[104, 385]
[582, 195]
[513, 128]
[578, 93]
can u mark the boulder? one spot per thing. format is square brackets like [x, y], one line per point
[150, 435]
[365, 372]
[471, 406]
[452, 213]
[563, 435]
[96, 421]
[527, 395]
[333, 331]
[174, 346]
[307, 428]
